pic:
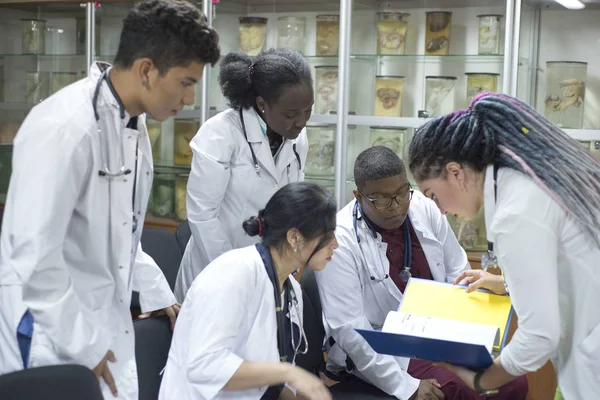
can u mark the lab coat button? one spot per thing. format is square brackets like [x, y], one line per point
[124, 223]
[147, 172]
[127, 332]
[120, 267]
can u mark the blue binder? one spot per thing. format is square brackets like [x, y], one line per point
[464, 354]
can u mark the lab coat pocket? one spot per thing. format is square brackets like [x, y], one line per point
[589, 351]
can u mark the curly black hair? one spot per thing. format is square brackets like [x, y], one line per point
[172, 33]
[242, 78]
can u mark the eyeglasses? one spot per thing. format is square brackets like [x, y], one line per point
[386, 202]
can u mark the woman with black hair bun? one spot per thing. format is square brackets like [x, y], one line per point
[240, 327]
[244, 154]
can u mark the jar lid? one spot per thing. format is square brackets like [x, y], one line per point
[490, 15]
[439, 12]
[184, 175]
[400, 14]
[389, 128]
[291, 18]
[254, 20]
[441, 77]
[567, 62]
[326, 66]
[329, 16]
[481, 73]
[389, 76]
[33, 19]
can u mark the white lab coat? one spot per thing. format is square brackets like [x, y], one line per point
[224, 189]
[67, 249]
[350, 299]
[553, 276]
[228, 317]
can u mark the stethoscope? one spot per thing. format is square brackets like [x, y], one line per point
[291, 300]
[405, 274]
[255, 160]
[489, 258]
[104, 152]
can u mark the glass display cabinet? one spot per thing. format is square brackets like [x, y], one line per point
[380, 70]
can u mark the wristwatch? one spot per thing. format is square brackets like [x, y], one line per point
[482, 392]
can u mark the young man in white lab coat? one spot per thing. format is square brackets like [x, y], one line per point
[82, 173]
[369, 272]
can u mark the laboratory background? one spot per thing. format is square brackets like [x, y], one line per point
[380, 70]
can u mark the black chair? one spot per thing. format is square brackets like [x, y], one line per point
[152, 343]
[183, 234]
[350, 387]
[162, 246]
[57, 382]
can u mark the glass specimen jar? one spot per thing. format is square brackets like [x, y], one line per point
[321, 150]
[565, 93]
[61, 80]
[37, 86]
[326, 89]
[33, 36]
[154, 131]
[471, 235]
[489, 34]
[180, 196]
[1, 80]
[253, 35]
[478, 83]
[391, 33]
[291, 33]
[328, 35]
[388, 96]
[439, 95]
[184, 131]
[390, 137]
[163, 194]
[437, 32]
[80, 31]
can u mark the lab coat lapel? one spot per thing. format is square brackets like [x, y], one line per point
[489, 200]
[286, 157]
[121, 187]
[259, 143]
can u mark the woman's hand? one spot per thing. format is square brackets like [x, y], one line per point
[307, 385]
[477, 278]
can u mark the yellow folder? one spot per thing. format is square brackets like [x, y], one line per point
[444, 300]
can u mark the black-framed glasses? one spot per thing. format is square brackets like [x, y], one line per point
[386, 202]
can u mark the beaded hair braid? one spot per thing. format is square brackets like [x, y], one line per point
[503, 130]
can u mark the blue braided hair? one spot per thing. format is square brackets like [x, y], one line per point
[503, 130]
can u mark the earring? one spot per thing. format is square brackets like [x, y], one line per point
[262, 111]
[295, 250]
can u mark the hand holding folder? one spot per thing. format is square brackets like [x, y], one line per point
[441, 322]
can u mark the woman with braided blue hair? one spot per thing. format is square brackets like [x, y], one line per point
[541, 192]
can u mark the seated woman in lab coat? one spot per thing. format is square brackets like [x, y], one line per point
[541, 191]
[244, 154]
[229, 341]
[366, 278]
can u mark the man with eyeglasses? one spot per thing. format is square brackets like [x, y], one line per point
[387, 234]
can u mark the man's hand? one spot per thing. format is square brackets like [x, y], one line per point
[171, 312]
[102, 371]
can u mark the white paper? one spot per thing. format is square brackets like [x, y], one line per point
[442, 329]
